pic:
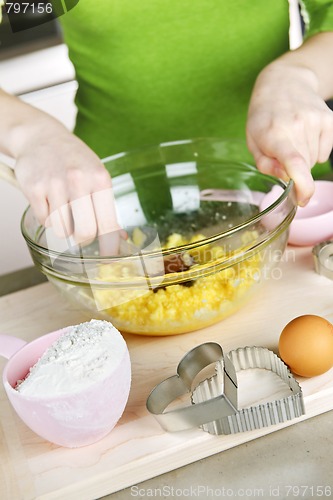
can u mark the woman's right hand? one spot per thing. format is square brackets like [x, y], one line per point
[66, 184]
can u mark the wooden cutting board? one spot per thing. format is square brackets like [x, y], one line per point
[138, 449]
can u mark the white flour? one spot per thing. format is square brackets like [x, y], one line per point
[86, 353]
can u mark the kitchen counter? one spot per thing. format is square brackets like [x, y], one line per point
[294, 462]
[290, 463]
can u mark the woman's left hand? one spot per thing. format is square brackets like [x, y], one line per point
[289, 127]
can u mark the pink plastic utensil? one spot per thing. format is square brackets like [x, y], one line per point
[314, 222]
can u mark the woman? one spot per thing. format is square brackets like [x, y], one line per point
[156, 71]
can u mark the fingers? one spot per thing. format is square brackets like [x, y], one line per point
[67, 186]
[271, 166]
[283, 158]
[38, 203]
[85, 217]
[60, 214]
[78, 208]
[289, 164]
[298, 170]
[105, 211]
[108, 229]
[296, 166]
[85, 224]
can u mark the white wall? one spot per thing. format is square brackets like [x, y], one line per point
[21, 76]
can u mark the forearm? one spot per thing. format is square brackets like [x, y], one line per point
[20, 123]
[65, 182]
[313, 61]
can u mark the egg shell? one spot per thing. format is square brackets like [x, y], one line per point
[306, 345]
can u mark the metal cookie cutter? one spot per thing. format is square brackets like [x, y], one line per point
[214, 401]
[323, 258]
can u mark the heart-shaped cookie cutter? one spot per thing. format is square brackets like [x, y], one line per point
[214, 405]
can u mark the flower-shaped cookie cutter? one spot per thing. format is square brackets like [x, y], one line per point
[214, 405]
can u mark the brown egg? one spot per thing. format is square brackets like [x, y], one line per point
[306, 345]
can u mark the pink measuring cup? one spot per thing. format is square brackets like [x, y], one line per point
[72, 420]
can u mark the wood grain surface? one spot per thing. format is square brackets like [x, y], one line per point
[137, 448]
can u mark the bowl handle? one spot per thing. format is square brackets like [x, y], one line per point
[10, 345]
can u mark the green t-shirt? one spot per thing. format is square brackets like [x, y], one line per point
[152, 71]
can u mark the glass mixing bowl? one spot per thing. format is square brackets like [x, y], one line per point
[198, 245]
